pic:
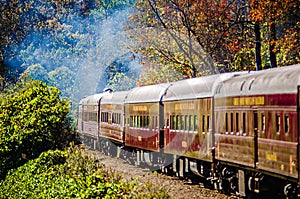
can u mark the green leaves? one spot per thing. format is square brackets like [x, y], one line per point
[32, 120]
[73, 173]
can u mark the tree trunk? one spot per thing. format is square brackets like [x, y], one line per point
[257, 46]
[273, 61]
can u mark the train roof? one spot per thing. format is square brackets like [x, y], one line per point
[270, 81]
[114, 97]
[200, 87]
[91, 99]
[151, 93]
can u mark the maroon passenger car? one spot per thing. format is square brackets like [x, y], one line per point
[257, 127]
[144, 121]
[112, 121]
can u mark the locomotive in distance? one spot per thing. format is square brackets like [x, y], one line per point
[239, 130]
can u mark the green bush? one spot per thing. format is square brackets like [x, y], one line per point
[72, 173]
[32, 120]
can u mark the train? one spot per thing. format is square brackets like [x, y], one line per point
[238, 130]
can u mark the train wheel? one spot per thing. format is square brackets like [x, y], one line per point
[223, 186]
[133, 158]
[101, 146]
[226, 181]
[290, 191]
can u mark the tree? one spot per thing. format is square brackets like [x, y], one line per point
[195, 30]
[33, 119]
[48, 29]
[281, 18]
[63, 79]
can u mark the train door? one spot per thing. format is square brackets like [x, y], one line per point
[161, 126]
[255, 139]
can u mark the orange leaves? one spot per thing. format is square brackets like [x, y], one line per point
[269, 9]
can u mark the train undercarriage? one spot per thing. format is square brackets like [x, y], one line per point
[226, 178]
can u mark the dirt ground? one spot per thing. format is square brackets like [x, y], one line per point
[176, 188]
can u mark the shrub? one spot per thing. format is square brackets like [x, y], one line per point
[32, 120]
[72, 173]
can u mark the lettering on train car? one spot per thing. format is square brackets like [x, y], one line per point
[186, 106]
[246, 101]
[271, 156]
[139, 108]
[110, 106]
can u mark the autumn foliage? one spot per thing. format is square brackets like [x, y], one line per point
[224, 30]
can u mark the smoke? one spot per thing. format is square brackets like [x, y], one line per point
[74, 57]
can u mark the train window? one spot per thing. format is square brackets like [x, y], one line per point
[104, 117]
[147, 121]
[139, 121]
[231, 122]
[187, 122]
[286, 124]
[143, 121]
[167, 122]
[113, 118]
[94, 116]
[237, 122]
[177, 122]
[226, 122]
[195, 123]
[208, 123]
[263, 122]
[134, 121]
[191, 123]
[171, 122]
[244, 122]
[182, 122]
[109, 117]
[203, 123]
[277, 122]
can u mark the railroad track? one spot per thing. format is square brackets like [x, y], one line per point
[176, 187]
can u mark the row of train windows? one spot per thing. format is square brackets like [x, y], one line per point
[278, 125]
[143, 121]
[259, 122]
[114, 117]
[184, 122]
[229, 122]
[189, 122]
